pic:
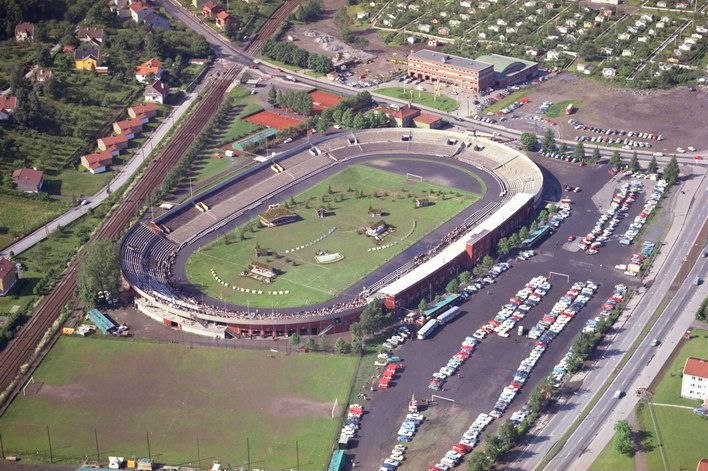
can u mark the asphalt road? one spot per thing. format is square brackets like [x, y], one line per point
[491, 366]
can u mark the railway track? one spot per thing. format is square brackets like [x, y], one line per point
[276, 19]
[20, 349]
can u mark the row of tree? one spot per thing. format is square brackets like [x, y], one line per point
[289, 53]
[297, 101]
[351, 113]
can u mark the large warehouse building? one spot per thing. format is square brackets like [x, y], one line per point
[485, 72]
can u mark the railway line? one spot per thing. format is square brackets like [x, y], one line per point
[276, 19]
[19, 350]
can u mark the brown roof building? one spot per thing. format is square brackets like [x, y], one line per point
[210, 9]
[28, 180]
[148, 110]
[119, 141]
[8, 275]
[403, 115]
[156, 92]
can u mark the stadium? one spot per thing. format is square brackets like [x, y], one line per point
[493, 189]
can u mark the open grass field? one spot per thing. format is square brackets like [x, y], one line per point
[349, 195]
[180, 395]
[558, 109]
[442, 102]
[506, 101]
[680, 432]
[20, 216]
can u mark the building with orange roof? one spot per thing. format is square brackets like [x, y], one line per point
[119, 141]
[100, 161]
[694, 382]
[428, 121]
[150, 69]
[403, 115]
[147, 109]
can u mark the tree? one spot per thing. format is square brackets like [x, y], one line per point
[523, 233]
[579, 152]
[653, 167]
[507, 433]
[422, 305]
[622, 441]
[322, 343]
[99, 272]
[272, 96]
[634, 163]
[294, 339]
[563, 149]
[487, 262]
[341, 347]
[549, 141]
[308, 11]
[358, 121]
[465, 277]
[671, 171]
[543, 215]
[702, 312]
[529, 141]
[503, 246]
[616, 160]
[310, 344]
[596, 155]
[478, 461]
[356, 331]
[452, 286]
[514, 240]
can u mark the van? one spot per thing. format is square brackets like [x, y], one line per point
[520, 330]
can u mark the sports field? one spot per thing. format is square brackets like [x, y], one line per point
[292, 248]
[179, 395]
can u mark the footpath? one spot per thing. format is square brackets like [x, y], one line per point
[123, 175]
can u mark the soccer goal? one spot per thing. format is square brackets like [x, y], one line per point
[413, 177]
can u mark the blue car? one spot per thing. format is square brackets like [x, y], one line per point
[403, 438]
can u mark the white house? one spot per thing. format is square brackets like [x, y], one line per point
[608, 72]
[694, 383]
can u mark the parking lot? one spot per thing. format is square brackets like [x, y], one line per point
[492, 364]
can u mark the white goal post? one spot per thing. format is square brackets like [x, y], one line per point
[562, 275]
[29, 381]
[414, 177]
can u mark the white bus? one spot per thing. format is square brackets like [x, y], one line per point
[449, 315]
[429, 327]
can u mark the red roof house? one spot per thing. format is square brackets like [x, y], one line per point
[130, 126]
[210, 9]
[28, 180]
[151, 68]
[100, 161]
[119, 141]
[148, 110]
[223, 18]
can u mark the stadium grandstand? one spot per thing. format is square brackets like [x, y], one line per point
[149, 249]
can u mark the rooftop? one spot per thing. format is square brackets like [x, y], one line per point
[427, 118]
[6, 266]
[696, 367]
[27, 176]
[458, 61]
[505, 65]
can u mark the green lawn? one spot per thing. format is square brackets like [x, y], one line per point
[557, 109]
[19, 216]
[180, 394]
[282, 65]
[668, 390]
[80, 182]
[611, 460]
[306, 280]
[680, 432]
[442, 102]
[506, 101]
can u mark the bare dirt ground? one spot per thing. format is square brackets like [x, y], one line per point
[673, 113]
[375, 46]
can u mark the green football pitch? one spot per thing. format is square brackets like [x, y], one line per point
[291, 248]
[189, 403]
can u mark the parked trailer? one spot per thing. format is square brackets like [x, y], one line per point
[429, 327]
[449, 315]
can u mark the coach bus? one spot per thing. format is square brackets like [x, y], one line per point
[449, 315]
[429, 327]
[441, 306]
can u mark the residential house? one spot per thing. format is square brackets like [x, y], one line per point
[90, 35]
[552, 55]
[40, 75]
[223, 19]
[150, 70]
[119, 141]
[29, 180]
[24, 32]
[87, 59]
[8, 104]
[608, 72]
[147, 110]
[100, 161]
[8, 275]
[210, 9]
[444, 31]
[139, 10]
[156, 92]
[694, 382]
[120, 8]
[362, 15]
[130, 126]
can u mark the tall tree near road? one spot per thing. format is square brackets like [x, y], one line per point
[622, 440]
[549, 141]
[634, 163]
[653, 167]
[579, 152]
[671, 172]
[616, 160]
[98, 272]
[528, 140]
